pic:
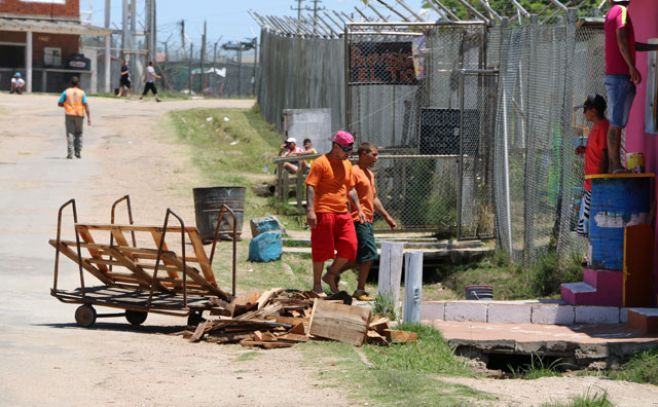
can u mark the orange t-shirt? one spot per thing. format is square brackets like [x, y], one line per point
[364, 184]
[331, 179]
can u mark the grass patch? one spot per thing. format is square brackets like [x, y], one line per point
[249, 355]
[404, 375]
[641, 368]
[512, 281]
[587, 400]
[537, 368]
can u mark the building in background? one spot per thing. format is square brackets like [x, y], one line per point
[41, 40]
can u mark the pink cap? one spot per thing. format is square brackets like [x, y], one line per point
[343, 138]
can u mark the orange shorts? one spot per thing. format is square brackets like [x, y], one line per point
[334, 236]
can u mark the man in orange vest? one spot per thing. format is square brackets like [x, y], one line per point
[74, 102]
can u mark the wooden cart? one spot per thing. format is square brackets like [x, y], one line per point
[137, 268]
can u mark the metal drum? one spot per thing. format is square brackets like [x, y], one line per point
[618, 200]
[208, 202]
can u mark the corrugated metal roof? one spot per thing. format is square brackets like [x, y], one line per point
[51, 26]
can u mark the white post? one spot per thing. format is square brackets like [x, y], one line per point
[413, 285]
[108, 64]
[390, 271]
[28, 61]
[107, 85]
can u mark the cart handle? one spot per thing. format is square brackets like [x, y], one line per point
[130, 216]
[159, 256]
[220, 217]
[77, 241]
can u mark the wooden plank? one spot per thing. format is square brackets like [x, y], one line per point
[398, 336]
[267, 295]
[84, 233]
[194, 274]
[339, 322]
[157, 236]
[139, 272]
[638, 285]
[68, 252]
[199, 331]
[200, 252]
[133, 228]
[379, 324]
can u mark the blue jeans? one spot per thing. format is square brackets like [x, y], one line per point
[621, 92]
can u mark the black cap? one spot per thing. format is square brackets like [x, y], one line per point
[596, 101]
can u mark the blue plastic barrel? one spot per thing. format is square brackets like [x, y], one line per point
[618, 200]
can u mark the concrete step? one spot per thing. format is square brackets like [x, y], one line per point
[542, 312]
[644, 320]
[600, 287]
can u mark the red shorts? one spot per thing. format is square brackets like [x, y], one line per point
[334, 236]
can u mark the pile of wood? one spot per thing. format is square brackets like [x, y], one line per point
[281, 318]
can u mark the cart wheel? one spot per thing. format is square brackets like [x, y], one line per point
[136, 317]
[85, 316]
[195, 318]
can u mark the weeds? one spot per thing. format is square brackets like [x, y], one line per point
[385, 306]
[642, 368]
[586, 400]
[537, 369]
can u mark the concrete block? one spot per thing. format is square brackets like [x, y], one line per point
[587, 314]
[466, 311]
[553, 314]
[623, 315]
[506, 313]
[432, 310]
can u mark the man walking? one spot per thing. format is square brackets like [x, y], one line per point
[621, 75]
[124, 80]
[149, 82]
[74, 102]
[332, 228]
[364, 186]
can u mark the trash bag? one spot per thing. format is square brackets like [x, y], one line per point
[267, 246]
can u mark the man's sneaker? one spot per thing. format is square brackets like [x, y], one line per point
[77, 155]
[361, 295]
[70, 156]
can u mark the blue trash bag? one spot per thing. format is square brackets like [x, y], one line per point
[266, 224]
[265, 247]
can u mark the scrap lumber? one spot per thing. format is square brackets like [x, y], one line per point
[379, 324]
[339, 322]
[398, 336]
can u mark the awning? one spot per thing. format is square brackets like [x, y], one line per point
[51, 27]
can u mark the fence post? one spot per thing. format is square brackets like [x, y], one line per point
[413, 285]
[390, 272]
[531, 141]
[299, 187]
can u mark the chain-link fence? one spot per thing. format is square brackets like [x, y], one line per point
[480, 125]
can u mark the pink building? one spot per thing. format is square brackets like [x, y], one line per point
[645, 20]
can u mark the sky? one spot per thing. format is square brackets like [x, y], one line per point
[227, 19]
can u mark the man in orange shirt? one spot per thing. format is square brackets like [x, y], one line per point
[327, 214]
[74, 102]
[364, 186]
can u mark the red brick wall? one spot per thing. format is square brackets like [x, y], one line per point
[71, 8]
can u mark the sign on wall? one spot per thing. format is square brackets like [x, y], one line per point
[381, 63]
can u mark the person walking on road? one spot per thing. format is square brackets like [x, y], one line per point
[124, 80]
[364, 186]
[74, 102]
[332, 228]
[149, 82]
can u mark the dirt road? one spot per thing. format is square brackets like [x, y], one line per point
[44, 358]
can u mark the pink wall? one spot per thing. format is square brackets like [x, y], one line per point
[645, 21]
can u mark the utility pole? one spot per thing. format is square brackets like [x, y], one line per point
[315, 9]
[189, 70]
[203, 57]
[299, 9]
[108, 46]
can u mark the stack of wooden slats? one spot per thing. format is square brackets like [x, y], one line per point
[280, 318]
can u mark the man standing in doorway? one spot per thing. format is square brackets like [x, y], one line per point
[149, 82]
[332, 228]
[364, 186]
[74, 102]
[621, 75]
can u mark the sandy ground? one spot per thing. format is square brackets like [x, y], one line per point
[45, 359]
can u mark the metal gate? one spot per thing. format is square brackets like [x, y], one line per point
[424, 93]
